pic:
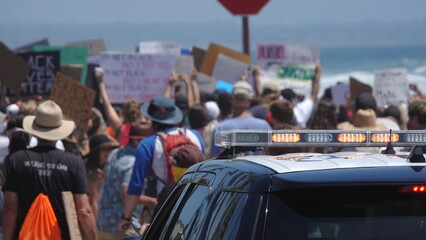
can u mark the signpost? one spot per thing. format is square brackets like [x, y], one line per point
[244, 8]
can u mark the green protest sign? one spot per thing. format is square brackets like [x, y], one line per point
[296, 73]
[70, 55]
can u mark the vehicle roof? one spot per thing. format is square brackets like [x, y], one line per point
[297, 162]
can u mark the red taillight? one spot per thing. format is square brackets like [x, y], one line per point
[418, 188]
[413, 189]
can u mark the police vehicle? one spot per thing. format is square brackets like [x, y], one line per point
[342, 195]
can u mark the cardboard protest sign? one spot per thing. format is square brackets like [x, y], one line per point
[209, 61]
[75, 99]
[293, 65]
[198, 54]
[13, 69]
[72, 71]
[29, 47]
[206, 83]
[95, 46]
[229, 69]
[391, 86]
[70, 55]
[137, 76]
[356, 87]
[39, 81]
[338, 93]
[71, 216]
[153, 47]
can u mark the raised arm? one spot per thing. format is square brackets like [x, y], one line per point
[316, 82]
[112, 116]
[172, 80]
[195, 89]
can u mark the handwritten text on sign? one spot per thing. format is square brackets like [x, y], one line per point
[136, 76]
[391, 86]
[75, 99]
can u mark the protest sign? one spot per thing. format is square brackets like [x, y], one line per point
[172, 48]
[391, 86]
[229, 69]
[338, 93]
[198, 54]
[356, 87]
[71, 216]
[72, 71]
[293, 65]
[95, 46]
[184, 64]
[209, 61]
[137, 76]
[13, 69]
[70, 55]
[39, 81]
[206, 83]
[29, 47]
[270, 55]
[75, 99]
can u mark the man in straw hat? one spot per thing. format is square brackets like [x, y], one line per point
[45, 169]
[151, 154]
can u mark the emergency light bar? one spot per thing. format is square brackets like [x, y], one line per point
[318, 138]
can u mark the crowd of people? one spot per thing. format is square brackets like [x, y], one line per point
[126, 156]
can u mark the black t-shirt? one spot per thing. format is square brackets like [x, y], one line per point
[45, 170]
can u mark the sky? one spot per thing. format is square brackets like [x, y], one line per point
[290, 12]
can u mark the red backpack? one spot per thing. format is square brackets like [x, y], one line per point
[180, 151]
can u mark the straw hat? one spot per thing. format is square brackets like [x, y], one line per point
[365, 119]
[48, 123]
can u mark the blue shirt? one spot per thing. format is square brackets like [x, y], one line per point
[117, 171]
[248, 122]
[150, 155]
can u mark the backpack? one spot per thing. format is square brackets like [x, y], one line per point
[181, 152]
[40, 222]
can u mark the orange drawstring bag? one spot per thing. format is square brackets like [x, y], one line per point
[40, 222]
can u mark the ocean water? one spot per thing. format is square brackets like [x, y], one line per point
[361, 62]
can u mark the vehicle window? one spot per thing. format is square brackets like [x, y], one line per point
[184, 224]
[347, 213]
[234, 216]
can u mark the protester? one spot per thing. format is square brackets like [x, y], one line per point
[151, 155]
[391, 117]
[303, 109]
[417, 115]
[66, 173]
[117, 172]
[214, 111]
[101, 146]
[282, 117]
[198, 117]
[270, 92]
[242, 93]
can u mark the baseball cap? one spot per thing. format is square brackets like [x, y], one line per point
[242, 90]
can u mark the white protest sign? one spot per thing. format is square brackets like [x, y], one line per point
[338, 93]
[275, 59]
[206, 83]
[137, 76]
[184, 64]
[229, 69]
[391, 86]
[172, 48]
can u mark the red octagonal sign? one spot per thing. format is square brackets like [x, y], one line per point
[244, 7]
